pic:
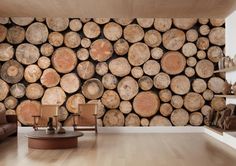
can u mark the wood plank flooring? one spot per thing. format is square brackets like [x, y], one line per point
[123, 150]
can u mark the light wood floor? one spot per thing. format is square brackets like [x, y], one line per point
[123, 150]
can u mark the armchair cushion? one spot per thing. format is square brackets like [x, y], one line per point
[9, 127]
[3, 119]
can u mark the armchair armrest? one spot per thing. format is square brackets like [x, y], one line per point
[36, 116]
[11, 118]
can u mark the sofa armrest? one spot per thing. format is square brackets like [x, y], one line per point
[11, 118]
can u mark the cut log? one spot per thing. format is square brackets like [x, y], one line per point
[73, 102]
[199, 85]
[82, 54]
[112, 31]
[217, 22]
[34, 91]
[162, 24]
[193, 101]
[173, 39]
[18, 90]
[218, 103]
[75, 25]
[32, 73]
[119, 67]
[208, 95]
[4, 89]
[133, 33]
[157, 53]
[145, 22]
[204, 68]
[26, 109]
[132, 120]
[11, 112]
[127, 88]
[196, 119]
[165, 95]
[173, 68]
[161, 80]
[166, 109]
[50, 78]
[144, 122]
[191, 61]
[64, 60]
[151, 67]
[101, 68]
[215, 53]
[113, 118]
[203, 20]
[121, 47]
[85, 42]
[138, 54]
[201, 54]
[180, 84]
[3, 32]
[146, 104]
[159, 121]
[2, 107]
[189, 72]
[92, 88]
[44, 62]
[203, 43]
[72, 39]
[192, 35]
[179, 117]
[184, 23]
[217, 36]
[46, 49]
[15, 34]
[27, 53]
[4, 20]
[85, 20]
[91, 30]
[205, 110]
[101, 50]
[62, 113]
[10, 102]
[54, 96]
[99, 123]
[56, 39]
[100, 107]
[152, 38]
[125, 107]
[86, 70]
[101, 20]
[6, 52]
[216, 84]
[204, 30]
[57, 23]
[70, 121]
[177, 101]
[111, 99]
[70, 83]
[145, 83]
[123, 21]
[137, 72]
[109, 81]
[37, 33]
[40, 19]
[22, 21]
[12, 71]
[189, 49]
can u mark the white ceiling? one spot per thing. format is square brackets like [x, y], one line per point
[117, 8]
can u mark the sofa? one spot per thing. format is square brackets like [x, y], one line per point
[8, 125]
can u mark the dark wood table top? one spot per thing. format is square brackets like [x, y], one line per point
[42, 135]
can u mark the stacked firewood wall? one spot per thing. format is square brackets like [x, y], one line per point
[140, 72]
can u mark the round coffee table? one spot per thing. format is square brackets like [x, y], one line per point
[41, 140]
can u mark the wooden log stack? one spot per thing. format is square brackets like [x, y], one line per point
[140, 72]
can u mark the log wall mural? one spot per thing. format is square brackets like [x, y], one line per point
[141, 72]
